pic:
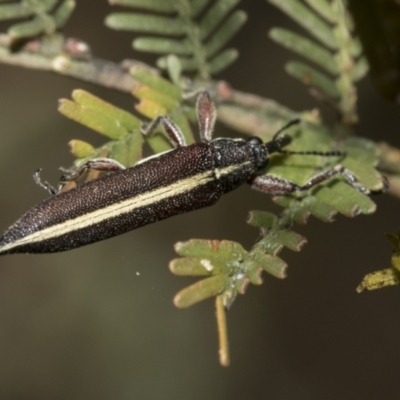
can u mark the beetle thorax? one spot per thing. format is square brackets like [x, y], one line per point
[236, 160]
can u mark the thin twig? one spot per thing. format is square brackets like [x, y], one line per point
[69, 57]
[222, 332]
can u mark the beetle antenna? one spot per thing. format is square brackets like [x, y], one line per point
[315, 153]
[287, 126]
[295, 121]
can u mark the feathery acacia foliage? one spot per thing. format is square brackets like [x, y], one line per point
[191, 36]
[119, 125]
[157, 96]
[334, 50]
[198, 42]
[45, 16]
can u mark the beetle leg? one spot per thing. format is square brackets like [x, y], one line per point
[98, 164]
[279, 186]
[206, 115]
[45, 185]
[175, 135]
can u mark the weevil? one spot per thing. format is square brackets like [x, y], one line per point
[183, 179]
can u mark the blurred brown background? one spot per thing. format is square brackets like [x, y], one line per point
[85, 325]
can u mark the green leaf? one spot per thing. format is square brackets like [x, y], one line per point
[253, 270]
[174, 67]
[262, 219]
[80, 149]
[13, 11]
[44, 5]
[363, 202]
[150, 108]
[225, 33]
[270, 245]
[323, 8]
[360, 69]
[127, 150]
[187, 64]
[201, 290]
[146, 92]
[151, 5]
[122, 117]
[271, 264]
[215, 15]
[92, 119]
[158, 45]
[365, 173]
[39, 24]
[223, 60]
[197, 6]
[363, 150]
[156, 82]
[305, 47]
[346, 206]
[63, 12]
[160, 97]
[113, 122]
[312, 77]
[308, 20]
[319, 209]
[196, 266]
[231, 266]
[145, 23]
[291, 240]
[210, 248]
[301, 215]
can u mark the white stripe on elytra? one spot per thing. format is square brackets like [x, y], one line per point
[123, 207]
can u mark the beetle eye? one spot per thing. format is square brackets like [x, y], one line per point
[254, 141]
